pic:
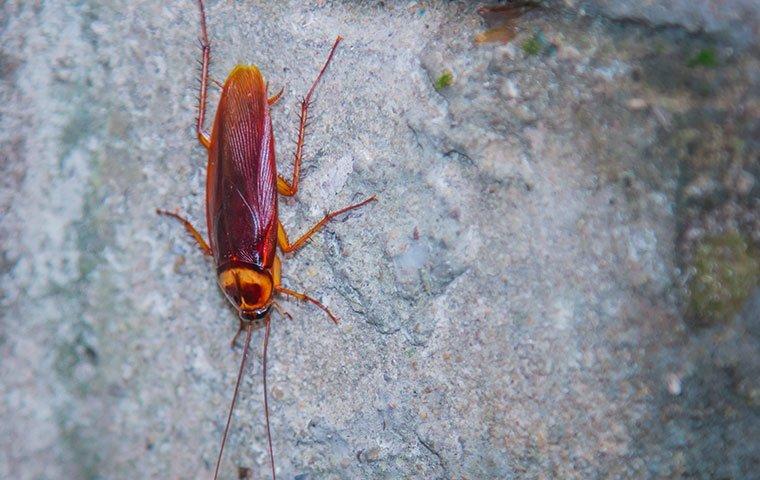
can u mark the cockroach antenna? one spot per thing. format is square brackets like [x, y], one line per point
[266, 395]
[248, 332]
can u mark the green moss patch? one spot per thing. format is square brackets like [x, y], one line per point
[443, 81]
[725, 272]
[707, 57]
[534, 45]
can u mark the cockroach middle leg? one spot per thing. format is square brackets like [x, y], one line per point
[190, 229]
[290, 189]
[241, 328]
[282, 236]
[203, 137]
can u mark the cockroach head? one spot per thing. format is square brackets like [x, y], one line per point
[248, 289]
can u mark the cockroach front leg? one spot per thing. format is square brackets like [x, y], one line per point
[277, 276]
[282, 236]
[281, 311]
[240, 330]
[305, 298]
[290, 189]
[190, 229]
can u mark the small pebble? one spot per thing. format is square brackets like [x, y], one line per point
[637, 104]
[567, 52]
[674, 384]
[509, 89]
[744, 183]
[372, 455]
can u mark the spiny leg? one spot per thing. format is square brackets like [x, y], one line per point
[276, 97]
[277, 276]
[206, 54]
[190, 229]
[306, 298]
[281, 311]
[240, 329]
[277, 271]
[290, 189]
[282, 236]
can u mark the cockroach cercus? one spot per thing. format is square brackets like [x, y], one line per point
[241, 204]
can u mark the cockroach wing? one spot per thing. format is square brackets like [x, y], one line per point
[241, 188]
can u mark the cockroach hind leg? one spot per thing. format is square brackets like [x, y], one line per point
[203, 137]
[284, 187]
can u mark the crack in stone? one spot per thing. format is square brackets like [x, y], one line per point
[435, 453]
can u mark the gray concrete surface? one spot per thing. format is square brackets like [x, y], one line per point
[738, 20]
[515, 306]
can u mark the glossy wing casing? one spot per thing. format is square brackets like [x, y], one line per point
[241, 187]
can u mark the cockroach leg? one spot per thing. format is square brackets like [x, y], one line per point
[290, 189]
[277, 271]
[306, 298]
[282, 236]
[190, 229]
[240, 330]
[276, 97]
[203, 137]
[285, 188]
[277, 277]
[281, 311]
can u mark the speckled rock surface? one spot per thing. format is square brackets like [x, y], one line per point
[514, 306]
[738, 20]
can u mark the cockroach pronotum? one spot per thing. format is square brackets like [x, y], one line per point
[241, 204]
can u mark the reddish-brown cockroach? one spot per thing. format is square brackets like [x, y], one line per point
[241, 204]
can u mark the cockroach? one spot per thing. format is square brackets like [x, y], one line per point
[242, 184]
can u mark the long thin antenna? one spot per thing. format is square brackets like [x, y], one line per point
[266, 400]
[248, 332]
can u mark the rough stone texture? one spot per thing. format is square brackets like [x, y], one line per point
[738, 20]
[513, 307]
